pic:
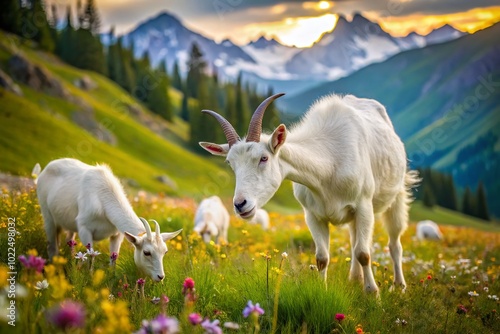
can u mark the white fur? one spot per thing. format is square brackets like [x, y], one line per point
[212, 220]
[90, 201]
[428, 230]
[261, 217]
[347, 165]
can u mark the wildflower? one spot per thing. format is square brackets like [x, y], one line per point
[359, 329]
[141, 281]
[339, 317]
[126, 286]
[486, 289]
[113, 257]
[313, 267]
[88, 246]
[231, 325]
[429, 277]
[155, 300]
[33, 262]
[81, 256]
[276, 250]
[187, 286]
[71, 243]
[461, 309]
[494, 297]
[93, 253]
[284, 255]
[195, 319]
[211, 327]
[163, 324]
[68, 314]
[111, 297]
[42, 285]
[473, 293]
[252, 309]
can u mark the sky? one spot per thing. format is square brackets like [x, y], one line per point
[298, 23]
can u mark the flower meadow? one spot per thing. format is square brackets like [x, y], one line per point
[260, 282]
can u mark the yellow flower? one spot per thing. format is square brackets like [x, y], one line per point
[98, 277]
[347, 259]
[223, 256]
[33, 252]
[59, 260]
[178, 246]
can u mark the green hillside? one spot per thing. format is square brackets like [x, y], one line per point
[444, 102]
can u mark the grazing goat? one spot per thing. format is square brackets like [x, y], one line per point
[90, 200]
[347, 164]
[212, 220]
[428, 230]
[261, 217]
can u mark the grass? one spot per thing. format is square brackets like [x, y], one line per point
[441, 278]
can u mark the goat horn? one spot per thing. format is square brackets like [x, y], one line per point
[255, 127]
[147, 227]
[157, 229]
[231, 135]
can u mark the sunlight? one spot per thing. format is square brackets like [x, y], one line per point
[470, 21]
[299, 31]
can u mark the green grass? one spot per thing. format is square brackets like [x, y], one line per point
[444, 216]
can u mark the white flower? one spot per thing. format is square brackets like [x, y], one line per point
[155, 300]
[81, 256]
[473, 294]
[92, 252]
[111, 297]
[486, 289]
[494, 297]
[284, 255]
[231, 325]
[42, 285]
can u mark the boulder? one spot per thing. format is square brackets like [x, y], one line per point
[85, 83]
[9, 84]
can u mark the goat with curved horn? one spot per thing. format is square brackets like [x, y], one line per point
[147, 227]
[230, 133]
[255, 127]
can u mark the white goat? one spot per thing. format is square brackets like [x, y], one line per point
[90, 200]
[261, 217]
[212, 220]
[428, 230]
[347, 164]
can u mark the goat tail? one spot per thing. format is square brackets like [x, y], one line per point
[412, 180]
[35, 172]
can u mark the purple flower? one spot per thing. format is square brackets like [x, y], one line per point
[339, 317]
[141, 281]
[251, 308]
[195, 319]
[113, 256]
[461, 309]
[32, 262]
[211, 327]
[68, 314]
[71, 243]
[88, 246]
[163, 324]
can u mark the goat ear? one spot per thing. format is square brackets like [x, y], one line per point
[215, 149]
[171, 235]
[136, 241]
[277, 138]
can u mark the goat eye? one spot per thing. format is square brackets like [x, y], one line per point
[147, 253]
[263, 159]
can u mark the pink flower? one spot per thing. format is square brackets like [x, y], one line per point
[188, 285]
[141, 281]
[339, 317]
[113, 256]
[68, 314]
[33, 262]
[71, 243]
[252, 309]
[195, 319]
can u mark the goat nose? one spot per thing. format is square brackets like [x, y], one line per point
[160, 277]
[240, 205]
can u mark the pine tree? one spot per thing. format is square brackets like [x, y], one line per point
[241, 107]
[468, 205]
[10, 16]
[159, 98]
[65, 44]
[230, 105]
[481, 203]
[428, 198]
[185, 106]
[125, 75]
[196, 68]
[35, 21]
[90, 18]
[176, 77]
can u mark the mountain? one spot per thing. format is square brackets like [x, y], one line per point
[355, 44]
[350, 46]
[444, 102]
[164, 37]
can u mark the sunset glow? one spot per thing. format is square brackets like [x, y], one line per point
[298, 31]
[470, 21]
